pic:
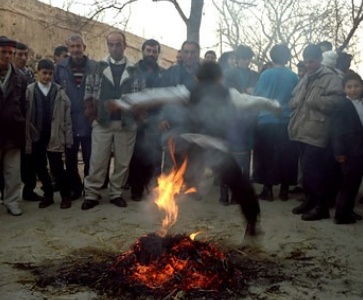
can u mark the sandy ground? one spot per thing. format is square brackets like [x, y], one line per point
[330, 264]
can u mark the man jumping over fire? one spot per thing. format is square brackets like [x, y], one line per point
[208, 110]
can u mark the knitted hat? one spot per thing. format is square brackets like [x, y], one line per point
[329, 59]
[6, 42]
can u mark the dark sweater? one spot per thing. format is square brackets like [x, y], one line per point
[43, 111]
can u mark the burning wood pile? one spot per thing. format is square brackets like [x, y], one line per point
[160, 265]
[165, 265]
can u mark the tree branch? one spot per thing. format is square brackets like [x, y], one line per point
[177, 7]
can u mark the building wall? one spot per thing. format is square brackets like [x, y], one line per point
[44, 27]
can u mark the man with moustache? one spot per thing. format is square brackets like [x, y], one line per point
[12, 125]
[28, 173]
[71, 73]
[147, 153]
[20, 60]
[115, 132]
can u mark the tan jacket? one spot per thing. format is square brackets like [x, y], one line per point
[314, 101]
[61, 135]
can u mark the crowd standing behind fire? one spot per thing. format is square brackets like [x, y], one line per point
[314, 146]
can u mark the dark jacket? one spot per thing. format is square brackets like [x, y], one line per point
[151, 77]
[63, 75]
[178, 75]
[100, 87]
[12, 112]
[347, 131]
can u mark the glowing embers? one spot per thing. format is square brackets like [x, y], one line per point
[174, 262]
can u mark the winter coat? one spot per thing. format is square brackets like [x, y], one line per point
[100, 87]
[12, 111]
[63, 75]
[61, 135]
[315, 100]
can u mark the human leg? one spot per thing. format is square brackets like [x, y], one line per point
[102, 139]
[12, 180]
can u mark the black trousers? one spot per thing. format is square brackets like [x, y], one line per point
[76, 183]
[229, 172]
[40, 155]
[145, 162]
[28, 173]
[275, 156]
[351, 178]
[317, 166]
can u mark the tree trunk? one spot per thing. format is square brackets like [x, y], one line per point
[195, 19]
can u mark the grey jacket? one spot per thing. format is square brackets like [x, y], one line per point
[315, 99]
[61, 135]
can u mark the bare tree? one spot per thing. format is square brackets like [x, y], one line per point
[192, 22]
[356, 19]
[291, 22]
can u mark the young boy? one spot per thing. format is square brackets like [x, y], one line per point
[48, 131]
[348, 148]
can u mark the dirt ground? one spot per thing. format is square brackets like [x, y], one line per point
[324, 259]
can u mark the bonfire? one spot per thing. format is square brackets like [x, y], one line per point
[172, 262]
[160, 265]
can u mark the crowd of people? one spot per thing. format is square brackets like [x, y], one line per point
[313, 145]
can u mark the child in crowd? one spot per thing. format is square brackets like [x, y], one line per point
[48, 131]
[348, 148]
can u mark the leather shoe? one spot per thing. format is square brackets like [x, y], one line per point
[120, 202]
[45, 203]
[66, 203]
[296, 190]
[88, 204]
[304, 207]
[14, 211]
[136, 197]
[316, 214]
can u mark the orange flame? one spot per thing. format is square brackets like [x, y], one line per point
[169, 185]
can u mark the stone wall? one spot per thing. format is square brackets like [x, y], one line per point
[44, 27]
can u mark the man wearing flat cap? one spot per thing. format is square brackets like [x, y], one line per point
[12, 125]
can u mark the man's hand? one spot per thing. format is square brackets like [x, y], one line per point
[90, 109]
[112, 106]
[164, 126]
